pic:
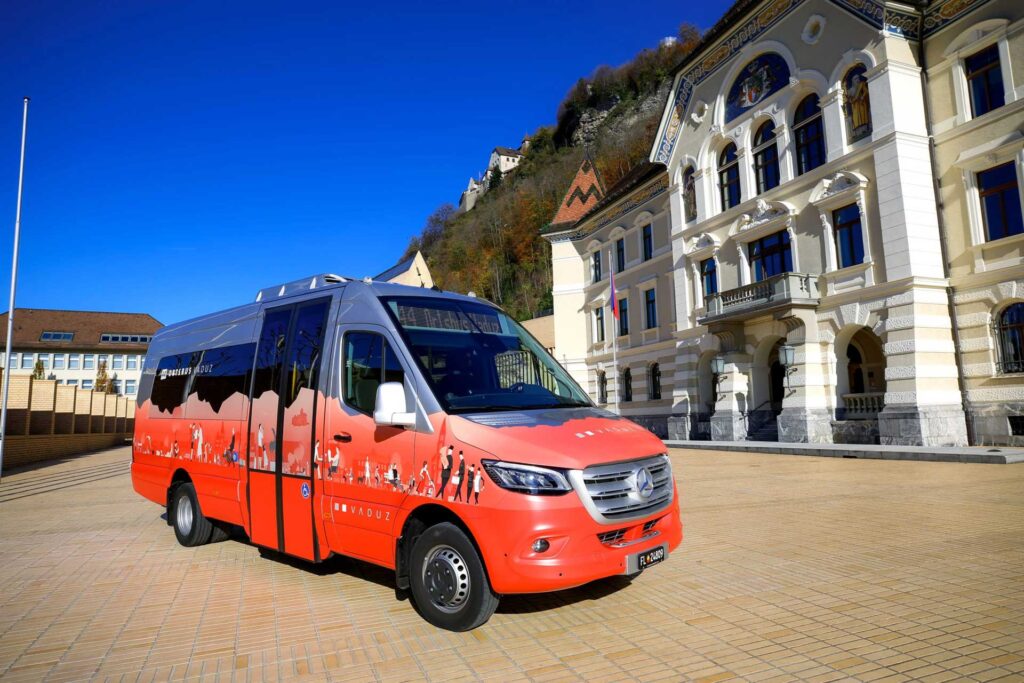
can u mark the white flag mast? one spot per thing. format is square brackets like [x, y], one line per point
[14, 283]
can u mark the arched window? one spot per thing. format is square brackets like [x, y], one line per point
[810, 135]
[766, 157]
[729, 177]
[654, 383]
[627, 386]
[858, 103]
[602, 387]
[689, 195]
[1011, 339]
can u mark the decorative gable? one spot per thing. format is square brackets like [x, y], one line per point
[584, 193]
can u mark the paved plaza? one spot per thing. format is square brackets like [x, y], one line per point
[792, 567]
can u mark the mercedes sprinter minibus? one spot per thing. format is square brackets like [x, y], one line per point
[420, 430]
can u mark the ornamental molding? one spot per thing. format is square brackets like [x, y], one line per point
[838, 184]
[765, 218]
[903, 23]
[702, 245]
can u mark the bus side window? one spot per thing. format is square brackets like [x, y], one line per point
[368, 362]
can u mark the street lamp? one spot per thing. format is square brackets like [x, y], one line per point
[787, 359]
[717, 374]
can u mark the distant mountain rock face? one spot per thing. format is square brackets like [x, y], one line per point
[592, 122]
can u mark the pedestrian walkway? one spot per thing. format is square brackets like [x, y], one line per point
[815, 569]
[996, 455]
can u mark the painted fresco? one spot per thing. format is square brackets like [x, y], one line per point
[760, 78]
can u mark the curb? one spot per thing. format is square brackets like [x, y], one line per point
[993, 455]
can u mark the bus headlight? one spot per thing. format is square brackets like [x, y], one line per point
[538, 481]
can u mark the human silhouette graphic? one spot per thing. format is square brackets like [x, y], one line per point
[446, 471]
[460, 478]
[478, 483]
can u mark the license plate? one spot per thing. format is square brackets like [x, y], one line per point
[652, 556]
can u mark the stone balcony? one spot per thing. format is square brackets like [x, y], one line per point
[864, 406]
[778, 291]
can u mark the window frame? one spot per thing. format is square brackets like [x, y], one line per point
[803, 140]
[651, 308]
[784, 246]
[599, 332]
[1000, 328]
[766, 158]
[850, 230]
[627, 385]
[647, 242]
[654, 382]
[620, 254]
[705, 271]
[729, 177]
[1000, 190]
[596, 270]
[982, 75]
[623, 316]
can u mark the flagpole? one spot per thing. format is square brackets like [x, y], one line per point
[14, 282]
[615, 335]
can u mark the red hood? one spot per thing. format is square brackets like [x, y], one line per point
[570, 438]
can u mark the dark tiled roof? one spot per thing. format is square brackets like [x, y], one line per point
[508, 151]
[87, 326]
[396, 269]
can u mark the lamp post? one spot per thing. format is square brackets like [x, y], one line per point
[717, 373]
[787, 359]
[14, 282]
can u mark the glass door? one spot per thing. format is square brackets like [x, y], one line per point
[284, 406]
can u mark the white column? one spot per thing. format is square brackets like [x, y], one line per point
[832, 119]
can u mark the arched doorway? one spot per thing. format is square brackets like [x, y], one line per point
[860, 377]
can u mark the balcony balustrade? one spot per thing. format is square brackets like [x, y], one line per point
[863, 406]
[750, 300]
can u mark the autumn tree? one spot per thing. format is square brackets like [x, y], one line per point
[104, 383]
[38, 371]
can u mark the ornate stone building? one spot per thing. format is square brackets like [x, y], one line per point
[844, 195]
[621, 234]
[814, 255]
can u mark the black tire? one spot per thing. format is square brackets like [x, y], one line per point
[448, 580]
[190, 526]
[219, 533]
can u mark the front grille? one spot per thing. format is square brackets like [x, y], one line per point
[610, 537]
[610, 491]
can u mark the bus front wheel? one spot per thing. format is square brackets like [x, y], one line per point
[448, 581]
[190, 526]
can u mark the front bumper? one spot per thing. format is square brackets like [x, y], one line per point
[581, 550]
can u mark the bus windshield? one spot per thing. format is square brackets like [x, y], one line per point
[477, 359]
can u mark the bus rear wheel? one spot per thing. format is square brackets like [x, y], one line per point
[190, 526]
[448, 581]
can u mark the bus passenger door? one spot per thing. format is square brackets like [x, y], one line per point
[284, 403]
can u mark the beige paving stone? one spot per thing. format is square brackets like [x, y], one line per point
[793, 568]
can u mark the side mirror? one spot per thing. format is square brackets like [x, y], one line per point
[390, 409]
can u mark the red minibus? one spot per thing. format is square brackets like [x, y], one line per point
[420, 430]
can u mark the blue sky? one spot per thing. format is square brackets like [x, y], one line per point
[184, 154]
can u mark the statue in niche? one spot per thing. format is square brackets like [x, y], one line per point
[689, 195]
[858, 103]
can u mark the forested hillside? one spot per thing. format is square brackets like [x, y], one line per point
[496, 250]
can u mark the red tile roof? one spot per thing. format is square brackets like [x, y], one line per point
[584, 193]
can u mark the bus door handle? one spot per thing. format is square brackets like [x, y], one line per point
[343, 437]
